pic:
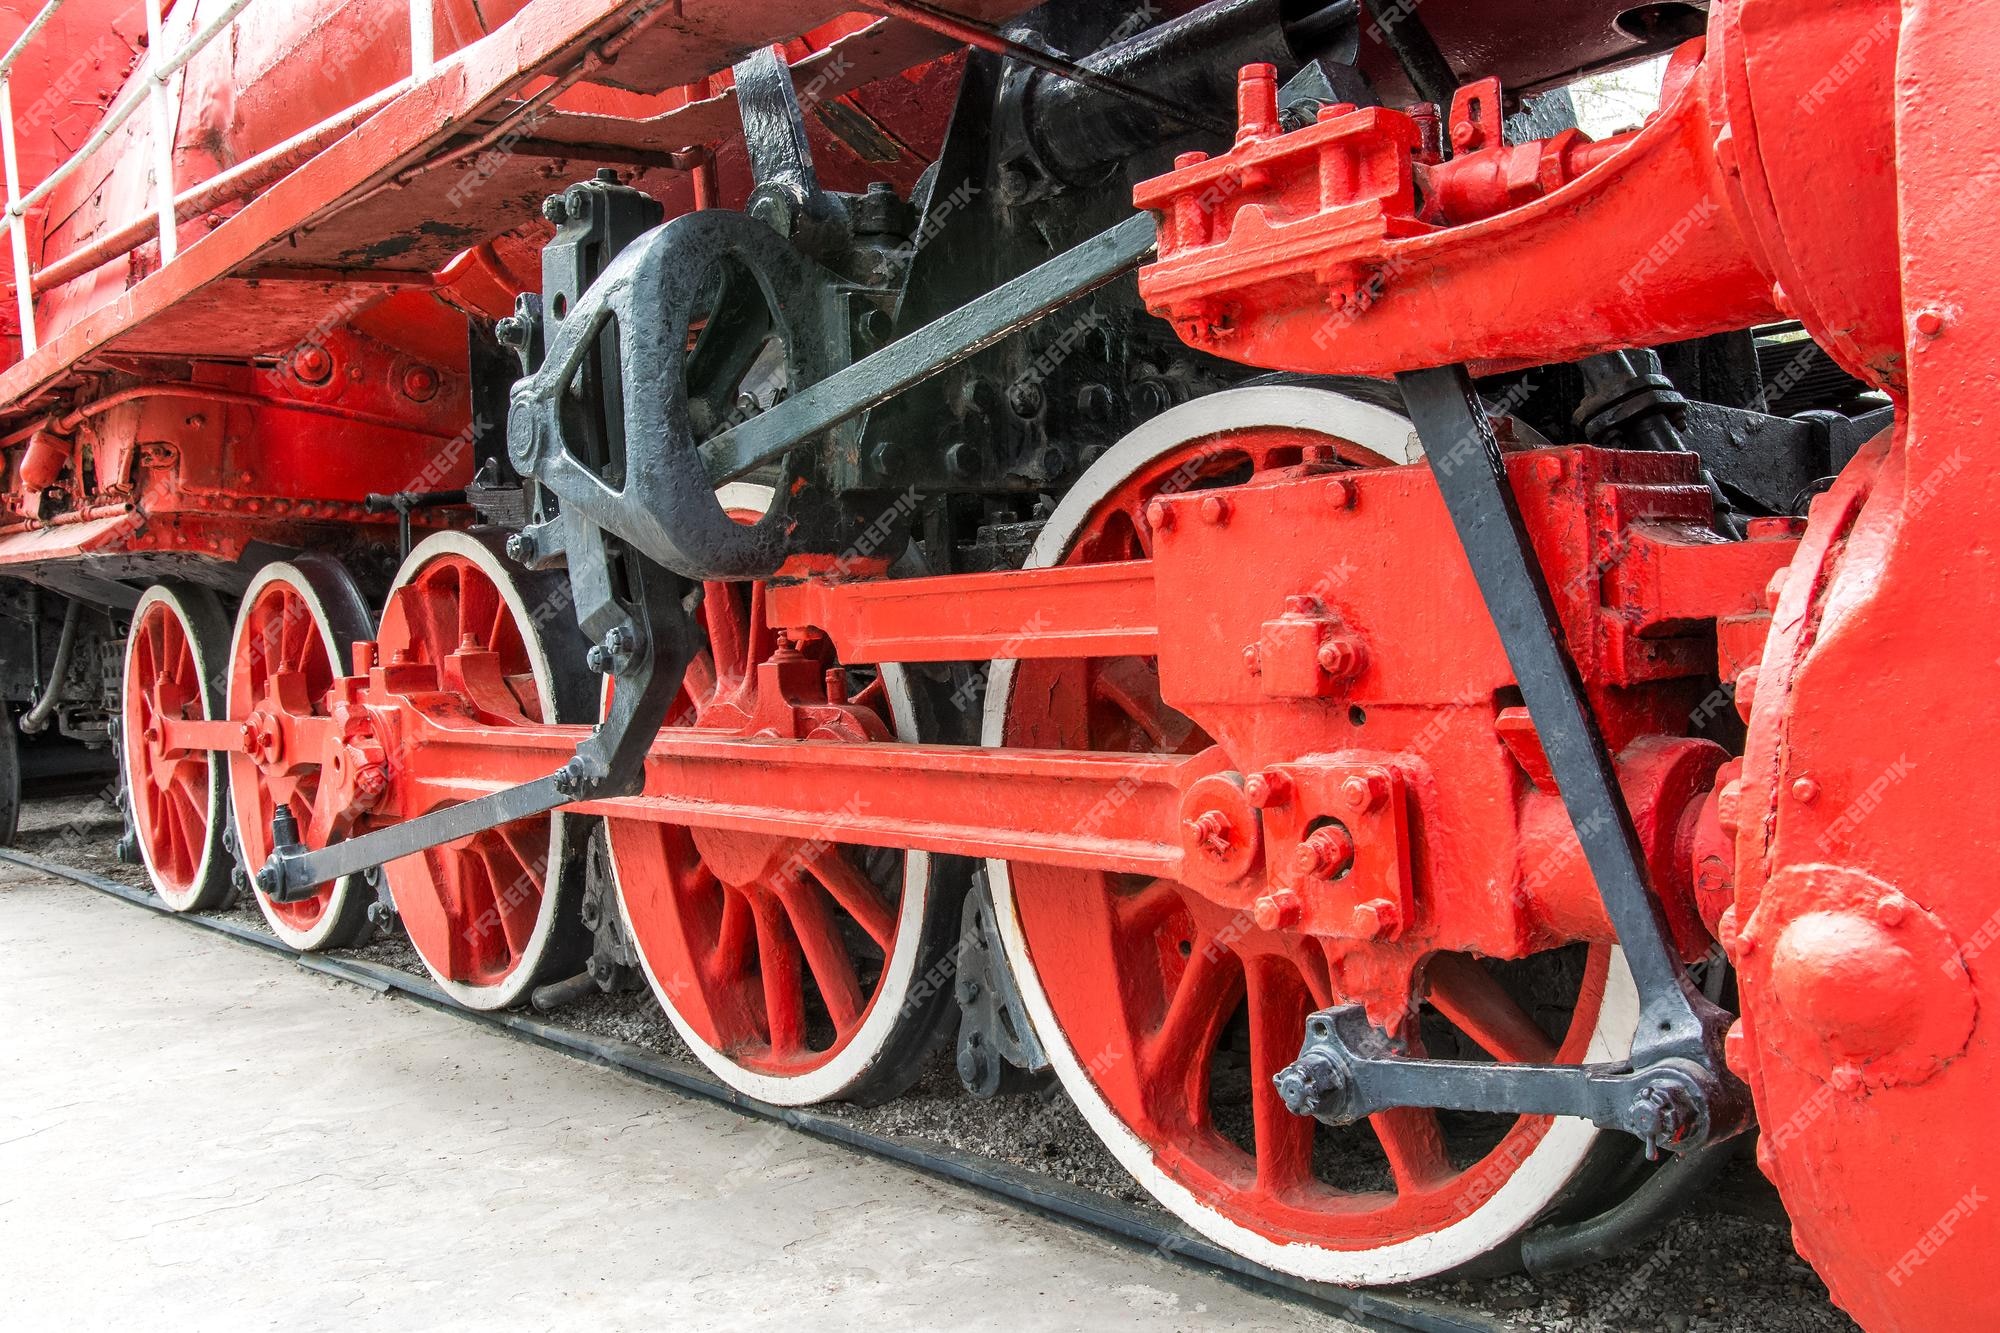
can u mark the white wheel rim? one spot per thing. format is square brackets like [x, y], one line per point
[508, 992]
[314, 937]
[179, 901]
[864, 1049]
[1541, 1177]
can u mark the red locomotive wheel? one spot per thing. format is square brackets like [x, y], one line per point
[294, 632]
[787, 964]
[1166, 1014]
[496, 914]
[173, 665]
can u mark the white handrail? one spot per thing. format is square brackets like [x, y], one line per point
[423, 47]
[123, 111]
[24, 292]
[28, 34]
[155, 91]
[158, 94]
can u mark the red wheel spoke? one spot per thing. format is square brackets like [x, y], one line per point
[762, 639]
[872, 695]
[528, 841]
[1133, 687]
[1414, 1144]
[856, 894]
[699, 683]
[513, 891]
[784, 988]
[728, 639]
[1463, 991]
[735, 938]
[1147, 909]
[826, 954]
[1178, 1050]
[1276, 1003]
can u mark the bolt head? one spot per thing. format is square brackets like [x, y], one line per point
[313, 364]
[1341, 657]
[1326, 853]
[420, 383]
[1340, 493]
[1253, 660]
[1891, 909]
[1364, 792]
[1281, 909]
[1214, 510]
[1930, 322]
[1805, 791]
[1377, 917]
[1160, 516]
[1264, 790]
[1212, 832]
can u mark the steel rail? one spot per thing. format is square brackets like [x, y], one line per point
[1032, 1191]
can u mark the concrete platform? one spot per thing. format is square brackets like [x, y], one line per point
[197, 1135]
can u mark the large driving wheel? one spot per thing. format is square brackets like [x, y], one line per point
[795, 969]
[295, 631]
[1166, 1015]
[495, 914]
[174, 665]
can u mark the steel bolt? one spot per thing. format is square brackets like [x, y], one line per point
[1264, 790]
[521, 548]
[1096, 402]
[1160, 516]
[1364, 792]
[1805, 791]
[1930, 321]
[1215, 510]
[962, 460]
[420, 383]
[1253, 660]
[1891, 909]
[1211, 831]
[313, 364]
[1309, 1083]
[1341, 493]
[1281, 909]
[1325, 853]
[1341, 657]
[1377, 917]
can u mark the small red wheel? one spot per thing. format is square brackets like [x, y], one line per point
[173, 669]
[294, 632]
[793, 968]
[496, 914]
[1166, 1014]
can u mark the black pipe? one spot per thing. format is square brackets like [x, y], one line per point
[1632, 1221]
[37, 718]
[1403, 32]
[559, 993]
